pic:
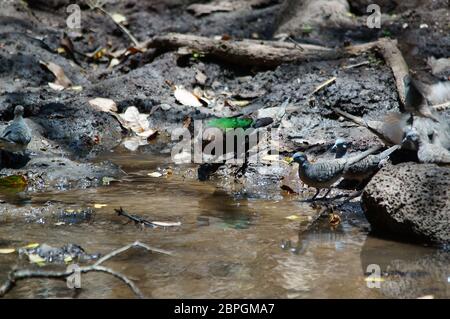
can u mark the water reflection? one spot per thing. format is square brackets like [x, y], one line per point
[226, 247]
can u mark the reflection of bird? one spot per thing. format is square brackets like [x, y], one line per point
[16, 137]
[366, 167]
[324, 173]
[427, 151]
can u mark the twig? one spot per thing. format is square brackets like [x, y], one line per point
[98, 6]
[20, 274]
[324, 84]
[297, 45]
[357, 65]
[134, 218]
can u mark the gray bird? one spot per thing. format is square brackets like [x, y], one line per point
[420, 96]
[340, 147]
[16, 136]
[324, 173]
[366, 167]
[427, 151]
[394, 127]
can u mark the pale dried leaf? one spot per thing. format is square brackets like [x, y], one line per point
[7, 250]
[155, 174]
[134, 120]
[118, 18]
[185, 97]
[58, 72]
[167, 224]
[55, 86]
[103, 104]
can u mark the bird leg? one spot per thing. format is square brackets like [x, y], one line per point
[312, 198]
[325, 196]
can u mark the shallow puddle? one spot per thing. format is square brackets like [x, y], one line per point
[226, 247]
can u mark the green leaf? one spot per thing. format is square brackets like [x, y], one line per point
[230, 122]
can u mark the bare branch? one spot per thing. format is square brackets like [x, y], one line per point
[21, 274]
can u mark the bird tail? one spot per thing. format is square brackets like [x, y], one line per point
[357, 158]
[389, 151]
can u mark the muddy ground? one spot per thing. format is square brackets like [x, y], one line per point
[70, 135]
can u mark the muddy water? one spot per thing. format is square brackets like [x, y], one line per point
[226, 247]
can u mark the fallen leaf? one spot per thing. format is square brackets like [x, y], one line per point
[103, 104]
[185, 97]
[76, 88]
[236, 103]
[31, 246]
[68, 259]
[166, 224]
[426, 297]
[7, 250]
[201, 78]
[272, 158]
[114, 62]
[97, 54]
[119, 18]
[155, 174]
[55, 86]
[36, 259]
[334, 219]
[136, 121]
[106, 180]
[58, 72]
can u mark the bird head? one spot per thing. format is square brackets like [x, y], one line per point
[340, 144]
[299, 157]
[18, 110]
[412, 136]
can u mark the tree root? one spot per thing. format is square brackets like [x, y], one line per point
[20, 274]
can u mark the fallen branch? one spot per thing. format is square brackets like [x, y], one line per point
[20, 274]
[244, 52]
[144, 222]
[394, 58]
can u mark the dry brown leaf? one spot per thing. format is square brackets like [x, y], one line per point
[58, 72]
[103, 104]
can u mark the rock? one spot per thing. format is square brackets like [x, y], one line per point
[410, 201]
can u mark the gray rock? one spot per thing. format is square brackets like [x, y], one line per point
[410, 201]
